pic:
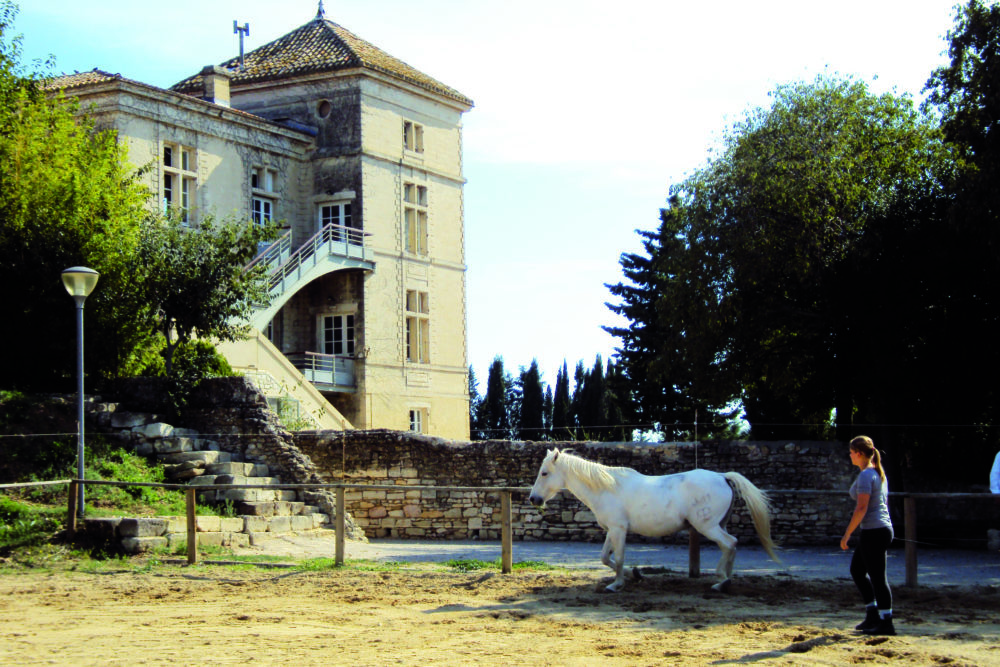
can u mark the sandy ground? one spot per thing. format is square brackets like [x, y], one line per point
[213, 614]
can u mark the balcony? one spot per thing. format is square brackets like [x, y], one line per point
[327, 372]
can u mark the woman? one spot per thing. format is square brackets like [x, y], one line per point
[870, 491]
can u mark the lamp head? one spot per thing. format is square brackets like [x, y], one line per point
[80, 282]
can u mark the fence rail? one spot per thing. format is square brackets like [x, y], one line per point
[506, 541]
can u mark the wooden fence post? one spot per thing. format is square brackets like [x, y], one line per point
[506, 535]
[694, 553]
[910, 533]
[192, 527]
[341, 509]
[71, 517]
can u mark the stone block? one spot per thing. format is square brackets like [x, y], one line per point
[378, 512]
[142, 527]
[237, 540]
[143, 448]
[203, 480]
[301, 523]
[211, 539]
[130, 420]
[154, 431]
[255, 524]
[286, 495]
[280, 524]
[231, 524]
[207, 456]
[103, 529]
[172, 445]
[138, 545]
[237, 480]
[209, 524]
[475, 523]
[228, 468]
[411, 511]
[247, 495]
[176, 541]
[176, 524]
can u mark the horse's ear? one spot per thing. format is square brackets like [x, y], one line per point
[556, 450]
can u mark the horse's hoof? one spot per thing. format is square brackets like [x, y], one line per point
[612, 588]
[722, 586]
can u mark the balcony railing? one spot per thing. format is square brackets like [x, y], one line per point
[325, 370]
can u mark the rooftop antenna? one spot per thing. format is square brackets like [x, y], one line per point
[243, 30]
[320, 14]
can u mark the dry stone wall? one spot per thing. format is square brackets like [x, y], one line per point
[401, 458]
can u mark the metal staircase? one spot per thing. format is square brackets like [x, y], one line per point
[332, 248]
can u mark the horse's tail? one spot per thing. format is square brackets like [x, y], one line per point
[760, 509]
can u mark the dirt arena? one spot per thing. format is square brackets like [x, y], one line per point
[212, 614]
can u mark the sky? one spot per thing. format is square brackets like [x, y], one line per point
[585, 114]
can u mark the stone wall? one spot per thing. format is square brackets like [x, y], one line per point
[400, 458]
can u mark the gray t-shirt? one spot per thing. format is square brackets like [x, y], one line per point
[877, 515]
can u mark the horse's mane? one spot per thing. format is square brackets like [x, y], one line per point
[597, 476]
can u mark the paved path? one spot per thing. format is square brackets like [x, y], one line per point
[935, 567]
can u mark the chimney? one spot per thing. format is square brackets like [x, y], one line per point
[216, 81]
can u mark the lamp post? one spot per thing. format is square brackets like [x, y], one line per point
[79, 282]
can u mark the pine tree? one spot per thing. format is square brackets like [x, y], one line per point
[531, 412]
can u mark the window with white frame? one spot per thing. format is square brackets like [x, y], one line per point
[413, 136]
[337, 335]
[418, 417]
[180, 178]
[262, 185]
[415, 218]
[418, 327]
[338, 215]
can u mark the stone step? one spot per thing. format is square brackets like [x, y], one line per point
[209, 457]
[255, 495]
[184, 471]
[131, 420]
[269, 509]
[242, 480]
[174, 445]
[238, 468]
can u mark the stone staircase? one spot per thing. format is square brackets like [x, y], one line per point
[257, 513]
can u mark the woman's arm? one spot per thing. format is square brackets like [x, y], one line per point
[859, 514]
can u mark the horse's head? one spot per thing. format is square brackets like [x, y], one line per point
[550, 481]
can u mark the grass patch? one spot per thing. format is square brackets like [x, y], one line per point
[474, 565]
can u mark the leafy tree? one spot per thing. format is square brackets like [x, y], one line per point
[67, 198]
[196, 282]
[747, 292]
[531, 424]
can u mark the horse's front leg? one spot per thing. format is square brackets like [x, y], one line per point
[613, 555]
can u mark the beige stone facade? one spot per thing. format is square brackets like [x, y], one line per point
[359, 159]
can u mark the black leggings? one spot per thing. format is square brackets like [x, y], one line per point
[868, 566]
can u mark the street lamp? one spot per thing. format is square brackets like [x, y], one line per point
[79, 282]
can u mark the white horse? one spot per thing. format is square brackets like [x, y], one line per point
[624, 500]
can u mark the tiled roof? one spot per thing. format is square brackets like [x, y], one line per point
[77, 79]
[318, 46]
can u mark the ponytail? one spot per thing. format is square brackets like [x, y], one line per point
[864, 445]
[877, 462]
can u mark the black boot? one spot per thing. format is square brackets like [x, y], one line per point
[883, 627]
[871, 619]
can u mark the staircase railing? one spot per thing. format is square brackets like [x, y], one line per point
[331, 239]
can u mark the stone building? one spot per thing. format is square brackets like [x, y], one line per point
[358, 157]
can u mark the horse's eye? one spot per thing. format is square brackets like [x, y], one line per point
[545, 474]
